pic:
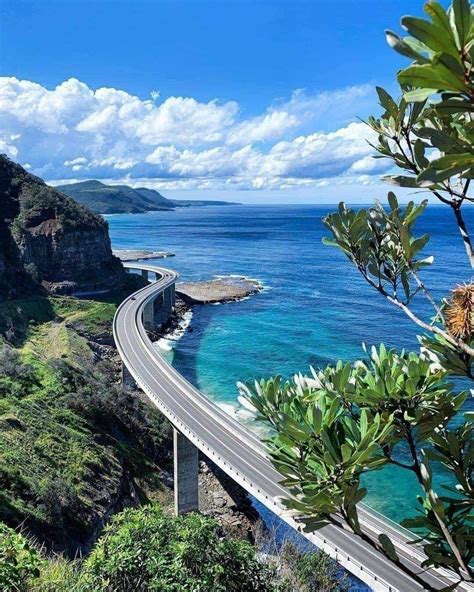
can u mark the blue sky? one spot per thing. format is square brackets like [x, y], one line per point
[197, 98]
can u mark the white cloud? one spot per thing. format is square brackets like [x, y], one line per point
[263, 128]
[73, 130]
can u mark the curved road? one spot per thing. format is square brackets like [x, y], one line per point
[242, 456]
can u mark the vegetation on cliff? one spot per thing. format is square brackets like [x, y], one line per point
[146, 549]
[74, 446]
[115, 199]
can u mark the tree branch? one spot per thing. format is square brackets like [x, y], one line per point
[411, 315]
[464, 232]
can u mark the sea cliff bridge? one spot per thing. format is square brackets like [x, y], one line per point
[199, 424]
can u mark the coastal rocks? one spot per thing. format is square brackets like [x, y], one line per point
[218, 290]
[225, 500]
[49, 241]
[139, 255]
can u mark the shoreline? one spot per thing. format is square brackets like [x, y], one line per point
[140, 254]
[179, 324]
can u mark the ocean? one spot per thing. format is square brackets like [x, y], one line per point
[314, 309]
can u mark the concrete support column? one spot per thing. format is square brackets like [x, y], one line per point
[168, 299]
[128, 382]
[149, 316]
[173, 295]
[186, 468]
[145, 274]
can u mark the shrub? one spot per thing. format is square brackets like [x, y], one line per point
[145, 549]
[18, 561]
[300, 571]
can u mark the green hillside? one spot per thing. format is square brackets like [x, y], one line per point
[116, 199]
[122, 199]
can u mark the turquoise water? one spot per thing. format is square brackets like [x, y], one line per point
[314, 310]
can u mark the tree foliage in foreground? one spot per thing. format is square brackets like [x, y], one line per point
[331, 427]
[146, 550]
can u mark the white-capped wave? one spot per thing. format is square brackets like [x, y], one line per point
[243, 416]
[168, 342]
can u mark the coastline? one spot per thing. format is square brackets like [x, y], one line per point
[219, 290]
[180, 322]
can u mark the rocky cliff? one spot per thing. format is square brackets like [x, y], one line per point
[49, 241]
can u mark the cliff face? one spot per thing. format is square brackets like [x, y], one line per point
[48, 240]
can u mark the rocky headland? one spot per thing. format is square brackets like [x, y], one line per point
[48, 241]
[122, 199]
[218, 290]
[140, 255]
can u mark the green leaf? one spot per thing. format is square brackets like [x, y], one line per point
[392, 200]
[439, 17]
[386, 101]
[455, 105]
[441, 140]
[429, 76]
[432, 35]
[388, 547]
[445, 167]
[462, 19]
[463, 161]
[403, 48]
[450, 63]
[400, 180]
[418, 94]
[419, 150]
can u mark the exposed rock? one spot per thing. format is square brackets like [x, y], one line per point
[224, 289]
[48, 240]
[223, 498]
[131, 255]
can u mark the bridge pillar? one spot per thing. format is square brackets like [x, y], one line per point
[149, 316]
[128, 382]
[186, 468]
[145, 274]
[168, 296]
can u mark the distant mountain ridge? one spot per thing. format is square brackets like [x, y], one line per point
[122, 199]
[115, 199]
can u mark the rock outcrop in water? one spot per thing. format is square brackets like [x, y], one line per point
[218, 290]
[48, 241]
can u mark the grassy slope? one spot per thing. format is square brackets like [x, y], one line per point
[72, 446]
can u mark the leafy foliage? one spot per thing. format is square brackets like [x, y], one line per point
[382, 246]
[18, 561]
[305, 571]
[70, 439]
[146, 549]
[442, 67]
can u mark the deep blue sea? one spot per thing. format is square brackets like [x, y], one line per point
[315, 308]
